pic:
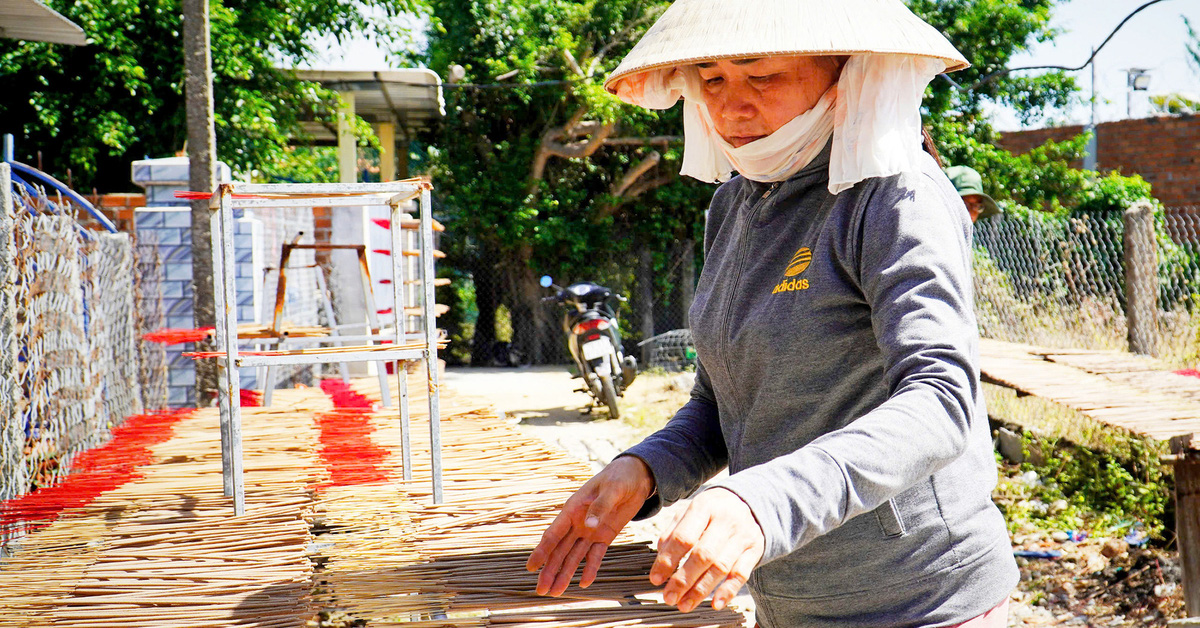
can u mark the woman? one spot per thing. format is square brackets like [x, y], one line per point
[833, 322]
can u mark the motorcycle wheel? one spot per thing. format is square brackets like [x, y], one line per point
[608, 394]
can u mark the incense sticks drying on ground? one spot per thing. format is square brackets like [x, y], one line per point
[162, 550]
[329, 523]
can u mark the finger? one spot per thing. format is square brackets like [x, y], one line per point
[551, 538]
[676, 543]
[737, 578]
[704, 585]
[556, 562]
[567, 571]
[594, 556]
[711, 553]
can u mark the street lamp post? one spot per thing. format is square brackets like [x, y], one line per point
[1136, 79]
[1093, 147]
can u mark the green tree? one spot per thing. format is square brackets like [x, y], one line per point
[990, 33]
[93, 109]
[543, 172]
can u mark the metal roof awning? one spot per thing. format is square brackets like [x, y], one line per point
[411, 98]
[31, 20]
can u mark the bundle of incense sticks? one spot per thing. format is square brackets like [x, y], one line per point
[407, 223]
[192, 195]
[171, 336]
[643, 615]
[249, 331]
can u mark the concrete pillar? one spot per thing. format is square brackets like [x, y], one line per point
[402, 155]
[1141, 280]
[347, 143]
[347, 228]
[387, 150]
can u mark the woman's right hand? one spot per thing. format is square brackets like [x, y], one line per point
[588, 523]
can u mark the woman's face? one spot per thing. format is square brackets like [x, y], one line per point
[750, 99]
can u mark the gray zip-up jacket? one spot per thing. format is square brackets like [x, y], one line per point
[839, 382]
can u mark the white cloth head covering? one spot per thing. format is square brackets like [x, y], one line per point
[709, 158]
[874, 110]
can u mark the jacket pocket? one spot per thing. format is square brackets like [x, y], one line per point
[889, 519]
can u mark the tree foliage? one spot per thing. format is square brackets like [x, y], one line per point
[990, 33]
[532, 93]
[94, 108]
[534, 73]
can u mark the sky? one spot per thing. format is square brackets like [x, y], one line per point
[1155, 39]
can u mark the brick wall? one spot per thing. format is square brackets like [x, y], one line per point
[1165, 151]
[322, 234]
[118, 208]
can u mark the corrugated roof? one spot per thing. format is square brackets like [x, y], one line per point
[410, 97]
[31, 20]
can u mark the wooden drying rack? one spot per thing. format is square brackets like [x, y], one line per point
[294, 196]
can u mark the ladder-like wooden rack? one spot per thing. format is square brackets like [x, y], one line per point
[231, 196]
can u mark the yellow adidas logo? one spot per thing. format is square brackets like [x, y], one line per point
[800, 261]
[797, 265]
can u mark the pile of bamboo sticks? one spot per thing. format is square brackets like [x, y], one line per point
[465, 558]
[163, 550]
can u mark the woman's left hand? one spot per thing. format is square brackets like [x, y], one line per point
[725, 543]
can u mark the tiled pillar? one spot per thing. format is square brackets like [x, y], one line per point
[167, 221]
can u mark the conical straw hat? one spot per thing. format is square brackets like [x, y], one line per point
[693, 31]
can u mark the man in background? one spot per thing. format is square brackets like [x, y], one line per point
[970, 186]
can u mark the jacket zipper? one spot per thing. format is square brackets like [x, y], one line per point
[737, 277]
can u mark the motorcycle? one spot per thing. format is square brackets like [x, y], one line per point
[594, 340]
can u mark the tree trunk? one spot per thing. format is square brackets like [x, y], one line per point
[645, 299]
[487, 298]
[202, 177]
[687, 280]
[533, 333]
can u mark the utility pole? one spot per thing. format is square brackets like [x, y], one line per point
[1093, 145]
[202, 176]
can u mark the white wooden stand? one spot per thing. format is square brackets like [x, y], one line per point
[284, 196]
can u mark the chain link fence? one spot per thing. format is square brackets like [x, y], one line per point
[72, 352]
[1124, 280]
[1107, 280]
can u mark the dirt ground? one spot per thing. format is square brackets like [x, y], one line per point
[1094, 582]
[544, 402]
